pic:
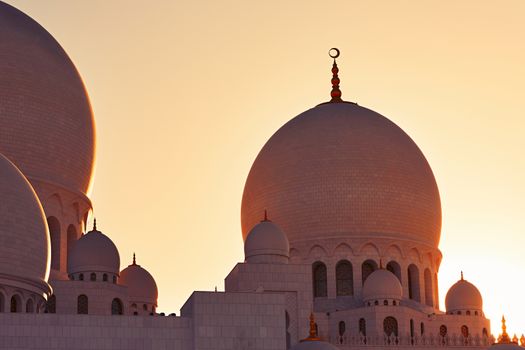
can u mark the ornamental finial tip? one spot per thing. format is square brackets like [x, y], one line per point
[336, 93]
[462, 275]
[134, 260]
[504, 337]
[94, 224]
[265, 219]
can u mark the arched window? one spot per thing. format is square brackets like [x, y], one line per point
[316, 329]
[81, 277]
[468, 312]
[413, 283]
[134, 305]
[429, 293]
[395, 269]
[82, 305]
[145, 307]
[367, 268]
[344, 278]
[288, 335]
[464, 331]
[422, 328]
[51, 305]
[485, 332]
[376, 302]
[412, 330]
[93, 276]
[54, 233]
[443, 330]
[319, 279]
[385, 302]
[16, 304]
[105, 277]
[114, 279]
[342, 330]
[29, 306]
[362, 326]
[390, 326]
[2, 302]
[71, 239]
[116, 307]
[435, 285]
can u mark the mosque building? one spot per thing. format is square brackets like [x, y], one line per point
[341, 221]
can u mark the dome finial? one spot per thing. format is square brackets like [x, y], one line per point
[134, 260]
[336, 93]
[504, 337]
[94, 224]
[313, 329]
[265, 216]
[462, 276]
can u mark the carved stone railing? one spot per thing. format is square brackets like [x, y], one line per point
[430, 340]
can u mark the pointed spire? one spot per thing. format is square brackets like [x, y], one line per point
[265, 216]
[313, 329]
[134, 260]
[336, 93]
[95, 224]
[504, 337]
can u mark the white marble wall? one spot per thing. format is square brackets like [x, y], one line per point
[237, 321]
[72, 332]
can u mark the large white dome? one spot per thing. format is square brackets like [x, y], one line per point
[24, 236]
[340, 170]
[46, 122]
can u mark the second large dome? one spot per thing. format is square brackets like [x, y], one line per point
[46, 123]
[341, 170]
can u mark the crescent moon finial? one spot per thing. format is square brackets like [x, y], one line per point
[336, 93]
[334, 52]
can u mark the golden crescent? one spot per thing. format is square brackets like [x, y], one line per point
[334, 55]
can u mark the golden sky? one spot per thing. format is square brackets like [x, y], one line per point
[185, 93]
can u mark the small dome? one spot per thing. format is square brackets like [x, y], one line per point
[94, 252]
[141, 285]
[266, 243]
[382, 284]
[314, 345]
[463, 295]
[24, 236]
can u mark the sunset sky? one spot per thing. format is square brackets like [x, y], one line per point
[185, 94]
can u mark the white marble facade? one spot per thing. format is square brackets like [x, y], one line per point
[346, 256]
